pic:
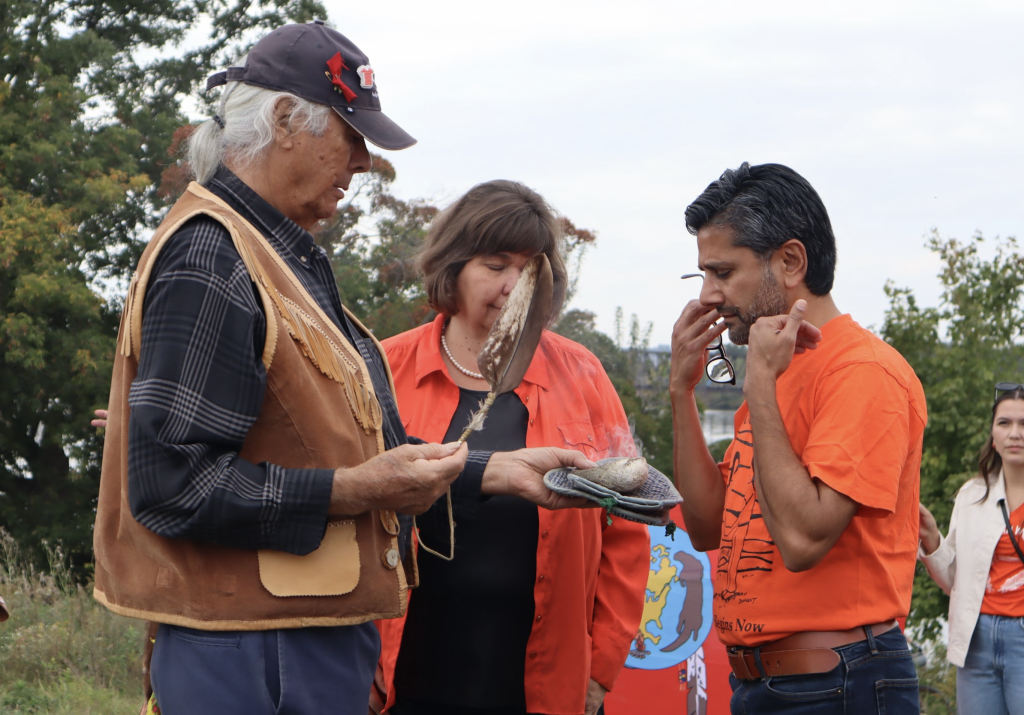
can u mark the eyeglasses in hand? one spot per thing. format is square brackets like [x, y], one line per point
[719, 368]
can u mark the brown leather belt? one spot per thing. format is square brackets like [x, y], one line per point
[800, 653]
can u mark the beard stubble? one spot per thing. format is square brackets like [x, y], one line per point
[768, 300]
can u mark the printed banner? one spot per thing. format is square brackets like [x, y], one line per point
[676, 664]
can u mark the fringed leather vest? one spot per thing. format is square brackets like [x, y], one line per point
[319, 411]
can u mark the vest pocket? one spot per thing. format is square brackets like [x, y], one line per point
[331, 570]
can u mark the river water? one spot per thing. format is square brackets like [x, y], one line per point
[717, 424]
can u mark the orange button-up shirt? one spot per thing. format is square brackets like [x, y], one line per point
[591, 576]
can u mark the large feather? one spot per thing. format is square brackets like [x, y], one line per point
[513, 339]
[507, 353]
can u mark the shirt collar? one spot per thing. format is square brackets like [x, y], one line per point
[288, 238]
[428, 358]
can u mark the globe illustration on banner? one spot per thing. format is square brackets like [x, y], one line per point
[677, 604]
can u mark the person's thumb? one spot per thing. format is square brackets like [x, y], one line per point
[796, 317]
[433, 450]
[572, 458]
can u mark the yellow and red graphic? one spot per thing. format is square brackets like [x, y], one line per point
[676, 663]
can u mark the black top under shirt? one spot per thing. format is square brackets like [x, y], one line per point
[465, 636]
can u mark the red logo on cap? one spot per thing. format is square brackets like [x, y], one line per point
[336, 65]
[365, 73]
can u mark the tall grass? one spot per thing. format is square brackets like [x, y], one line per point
[61, 652]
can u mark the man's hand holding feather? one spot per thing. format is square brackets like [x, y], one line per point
[407, 479]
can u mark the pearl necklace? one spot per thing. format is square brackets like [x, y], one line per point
[464, 371]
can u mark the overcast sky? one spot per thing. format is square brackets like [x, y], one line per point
[905, 116]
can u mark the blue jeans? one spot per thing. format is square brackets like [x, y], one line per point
[282, 672]
[992, 679]
[876, 675]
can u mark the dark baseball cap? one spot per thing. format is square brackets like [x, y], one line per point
[321, 65]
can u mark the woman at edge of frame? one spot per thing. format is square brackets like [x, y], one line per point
[978, 565]
[537, 611]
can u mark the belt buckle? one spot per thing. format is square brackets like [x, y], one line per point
[738, 654]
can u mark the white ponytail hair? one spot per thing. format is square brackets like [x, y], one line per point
[247, 114]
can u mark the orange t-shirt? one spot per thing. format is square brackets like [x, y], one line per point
[855, 414]
[1004, 592]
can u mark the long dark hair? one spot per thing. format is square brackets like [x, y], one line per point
[989, 461]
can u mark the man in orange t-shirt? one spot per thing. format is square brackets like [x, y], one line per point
[814, 508]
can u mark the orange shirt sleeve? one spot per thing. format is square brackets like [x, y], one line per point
[625, 564]
[859, 435]
[625, 554]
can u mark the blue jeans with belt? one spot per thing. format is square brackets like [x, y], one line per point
[992, 679]
[874, 676]
[298, 671]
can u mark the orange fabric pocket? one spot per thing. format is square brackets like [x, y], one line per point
[583, 436]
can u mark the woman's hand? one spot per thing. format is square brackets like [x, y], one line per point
[102, 418]
[930, 536]
[521, 473]
[595, 696]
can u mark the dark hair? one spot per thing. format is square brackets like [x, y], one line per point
[767, 205]
[989, 461]
[493, 217]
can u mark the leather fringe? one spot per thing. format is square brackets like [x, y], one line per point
[329, 360]
[327, 357]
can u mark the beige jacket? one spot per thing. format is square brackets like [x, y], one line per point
[962, 562]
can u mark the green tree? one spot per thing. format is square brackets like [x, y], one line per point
[85, 129]
[959, 350]
[56, 347]
[372, 241]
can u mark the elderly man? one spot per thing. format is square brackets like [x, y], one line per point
[814, 508]
[255, 462]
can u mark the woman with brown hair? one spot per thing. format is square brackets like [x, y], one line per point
[537, 610]
[980, 564]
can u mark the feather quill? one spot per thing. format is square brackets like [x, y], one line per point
[513, 339]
